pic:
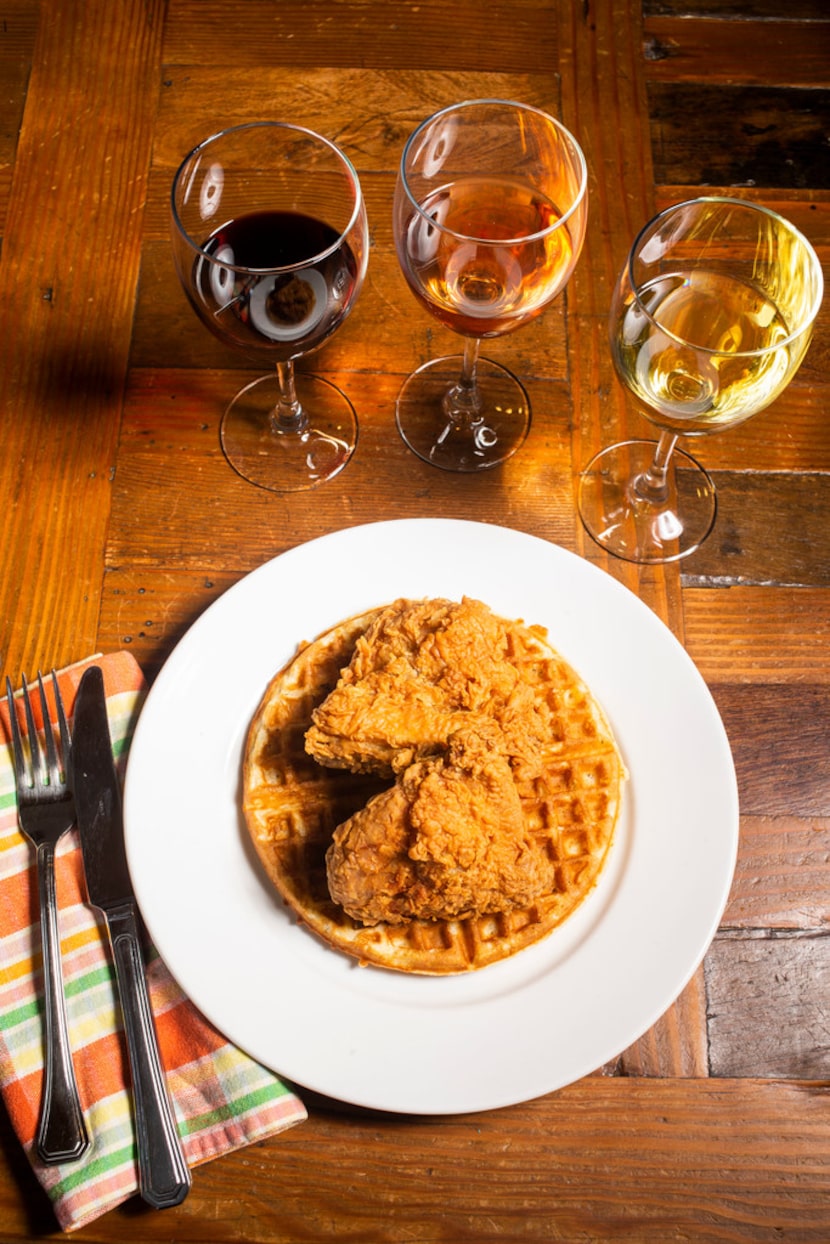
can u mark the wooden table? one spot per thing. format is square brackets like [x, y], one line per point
[121, 522]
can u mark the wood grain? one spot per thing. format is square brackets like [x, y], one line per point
[174, 482]
[788, 53]
[608, 35]
[751, 978]
[794, 720]
[54, 380]
[767, 136]
[423, 36]
[760, 11]
[759, 634]
[769, 530]
[677, 1044]
[782, 878]
[606, 1159]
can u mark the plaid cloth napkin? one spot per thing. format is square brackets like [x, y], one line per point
[222, 1099]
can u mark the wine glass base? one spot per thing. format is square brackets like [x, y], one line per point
[638, 530]
[493, 435]
[285, 458]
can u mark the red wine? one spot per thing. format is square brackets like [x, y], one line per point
[286, 312]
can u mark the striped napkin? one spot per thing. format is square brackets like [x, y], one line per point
[222, 1099]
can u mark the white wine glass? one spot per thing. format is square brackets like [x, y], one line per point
[489, 220]
[270, 242]
[710, 320]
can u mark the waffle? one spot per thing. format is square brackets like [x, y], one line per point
[292, 806]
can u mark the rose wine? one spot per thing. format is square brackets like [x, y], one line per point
[479, 257]
[285, 312]
[703, 351]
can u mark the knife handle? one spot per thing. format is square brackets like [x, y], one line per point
[164, 1176]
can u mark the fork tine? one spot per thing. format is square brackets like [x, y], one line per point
[31, 730]
[21, 777]
[53, 769]
[66, 739]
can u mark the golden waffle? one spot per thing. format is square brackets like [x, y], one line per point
[292, 806]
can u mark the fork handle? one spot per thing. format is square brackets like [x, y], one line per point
[62, 1134]
[164, 1175]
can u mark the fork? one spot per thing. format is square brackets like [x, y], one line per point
[45, 811]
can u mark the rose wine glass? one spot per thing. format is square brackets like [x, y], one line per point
[489, 219]
[710, 320]
[271, 243]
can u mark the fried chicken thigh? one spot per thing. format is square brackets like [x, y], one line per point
[416, 675]
[447, 840]
[433, 699]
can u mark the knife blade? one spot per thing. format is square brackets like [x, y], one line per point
[164, 1176]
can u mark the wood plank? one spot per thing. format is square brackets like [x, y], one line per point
[759, 634]
[794, 722]
[418, 36]
[148, 609]
[747, 10]
[809, 210]
[14, 79]
[384, 105]
[177, 503]
[770, 529]
[767, 136]
[609, 34]
[617, 156]
[605, 1159]
[18, 29]
[677, 1045]
[751, 978]
[782, 877]
[747, 53]
[65, 319]
[791, 435]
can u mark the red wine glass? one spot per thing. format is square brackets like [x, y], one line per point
[489, 220]
[270, 242]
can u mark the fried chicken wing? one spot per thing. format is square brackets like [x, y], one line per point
[447, 840]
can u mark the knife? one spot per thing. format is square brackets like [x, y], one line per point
[164, 1176]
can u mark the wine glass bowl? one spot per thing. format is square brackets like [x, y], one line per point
[489, 219]
[270, 243]
[709, 322]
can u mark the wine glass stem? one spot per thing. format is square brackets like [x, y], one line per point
[462, 401]
[652, 485]
[288, 414]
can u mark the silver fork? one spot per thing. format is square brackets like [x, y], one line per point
[45, 811]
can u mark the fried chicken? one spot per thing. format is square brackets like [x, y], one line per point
[417, 674]
[446, 841]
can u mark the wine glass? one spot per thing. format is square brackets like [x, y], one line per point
[710, 320]
[489, 219]
[271, 243]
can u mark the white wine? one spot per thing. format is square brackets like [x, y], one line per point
[703, 351]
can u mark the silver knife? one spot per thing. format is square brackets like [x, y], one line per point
[164, 1176]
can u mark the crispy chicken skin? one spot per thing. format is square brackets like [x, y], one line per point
[416, 675]
[447, 840]
[432, 699]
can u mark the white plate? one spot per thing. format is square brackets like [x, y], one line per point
[509, 1032]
